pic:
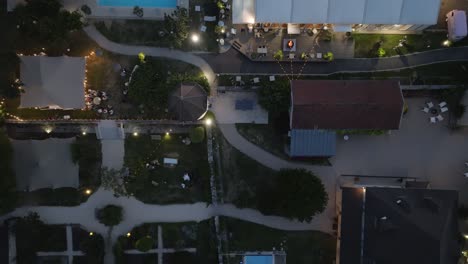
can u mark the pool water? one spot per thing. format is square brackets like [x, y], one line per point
[140, 3]
[258, 259]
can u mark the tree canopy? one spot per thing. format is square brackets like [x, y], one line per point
[275, 96]
[295, 193]
[8, 195]
[177, 25]
[110, 215]
[45, 22]
[149, 87]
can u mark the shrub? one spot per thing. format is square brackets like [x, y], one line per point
[138, 11]
[110, 215]
[144, 244]
[279, 55]
[86, 9]
[197, 134]
[381, 52]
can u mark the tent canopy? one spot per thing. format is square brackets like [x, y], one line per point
[55, 82]
[423, 12]
[44, 164]
[189, 102]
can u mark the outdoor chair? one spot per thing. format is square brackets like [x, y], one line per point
[432, 119]
[238, 79]
[256, 80]
[197, 8]
[233, 31]
[430, 104]
[444, 109]
[442, 104]
[319, 55]
[439, 118]
[272, 78]
[203, 28]
[466, 164]
[466, 174]
[425, 110]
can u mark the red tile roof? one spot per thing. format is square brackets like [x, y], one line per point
[329, 104]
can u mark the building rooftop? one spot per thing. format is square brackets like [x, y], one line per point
[395, 225]
[329, 104]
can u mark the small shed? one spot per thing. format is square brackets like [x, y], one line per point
[189, 102]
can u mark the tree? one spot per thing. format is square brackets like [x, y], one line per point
[295, 193]
[278, 55]
[197, 134]
[8, 196]
[45, 23]
[110, 215]
[8, 86]
[275, 96]
[113, 180]
[138, 11]
[144, 244]
[148, 86]
[329, 56]
[86, 9]
[177, 26]
[381, 52]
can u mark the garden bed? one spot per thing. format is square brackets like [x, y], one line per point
[367, 45]
[153, 182]
[301, 247]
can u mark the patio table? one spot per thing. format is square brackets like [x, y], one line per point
[97, 100]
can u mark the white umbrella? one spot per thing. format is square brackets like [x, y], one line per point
[221, 23]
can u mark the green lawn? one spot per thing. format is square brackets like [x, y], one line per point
[301, 247]
[162, 185]
[243, 178]
[366, 45]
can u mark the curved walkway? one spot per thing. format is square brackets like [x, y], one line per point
[233, 62]
[123, 49]
[137, 213]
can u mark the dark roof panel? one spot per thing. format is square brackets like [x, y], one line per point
[404, 226]
[312, 143]
[331, 104]
[351, 225]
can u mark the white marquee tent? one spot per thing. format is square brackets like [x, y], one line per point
[54, 82]
[418, 12]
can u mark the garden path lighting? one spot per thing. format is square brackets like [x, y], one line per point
[91, 234]
[129, 234]
[135, 134]
[48, 130]
[83, 133]
[208, 121]
[88, 191]
[446, 43]
[195, 38]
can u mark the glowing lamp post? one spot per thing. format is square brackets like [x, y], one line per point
[195, 38]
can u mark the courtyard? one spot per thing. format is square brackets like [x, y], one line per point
[420, 149]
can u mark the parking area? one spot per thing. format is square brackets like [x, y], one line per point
[420, 149]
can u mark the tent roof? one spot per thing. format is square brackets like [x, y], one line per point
[44, 163]
[53, 82]
[337, 11]
[188, 102]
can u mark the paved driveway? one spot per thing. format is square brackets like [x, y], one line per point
[419, 149]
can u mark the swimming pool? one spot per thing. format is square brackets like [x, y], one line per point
[140, 3]
[258, 259]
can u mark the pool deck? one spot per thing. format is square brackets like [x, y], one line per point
[97, 11]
